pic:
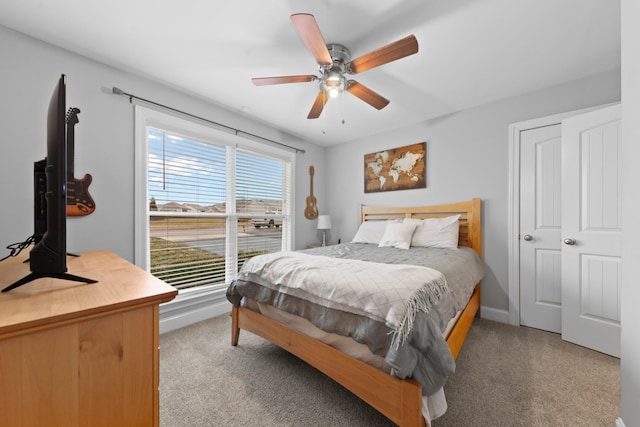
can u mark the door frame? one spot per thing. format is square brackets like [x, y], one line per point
[514, 201]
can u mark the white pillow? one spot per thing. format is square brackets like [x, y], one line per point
[397, 235]
[372, 231]
[435, 232]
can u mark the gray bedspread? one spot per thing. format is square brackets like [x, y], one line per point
[424, 355]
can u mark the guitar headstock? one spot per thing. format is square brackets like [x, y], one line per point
[72, 115]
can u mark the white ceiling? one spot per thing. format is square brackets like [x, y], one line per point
[470, 51]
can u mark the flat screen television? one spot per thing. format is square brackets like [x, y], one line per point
[48, 258]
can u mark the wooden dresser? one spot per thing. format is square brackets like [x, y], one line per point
[75, 354]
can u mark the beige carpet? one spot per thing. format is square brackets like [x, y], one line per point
[505, 376]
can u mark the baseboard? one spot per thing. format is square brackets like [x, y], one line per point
[619, 422]
[187, 309]
[494, 314]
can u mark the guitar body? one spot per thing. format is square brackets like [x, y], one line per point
[311, 211]
[79, 201]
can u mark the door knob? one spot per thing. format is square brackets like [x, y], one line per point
[528, 237]
[569, 241]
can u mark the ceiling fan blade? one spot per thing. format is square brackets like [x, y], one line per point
[367, 95]
[312, 37]
[391, 52]
[263, 81]
[318, 105]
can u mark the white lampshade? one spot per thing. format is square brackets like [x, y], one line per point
[324, 222]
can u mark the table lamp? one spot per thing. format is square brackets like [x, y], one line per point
[324, 224]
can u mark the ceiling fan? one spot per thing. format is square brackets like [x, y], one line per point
[334, 60]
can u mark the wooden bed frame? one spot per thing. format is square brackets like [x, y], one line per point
[400, 400]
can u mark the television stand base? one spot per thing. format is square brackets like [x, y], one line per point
[34, 276]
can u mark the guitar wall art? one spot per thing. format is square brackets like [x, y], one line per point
[311, 211]
[79, 201]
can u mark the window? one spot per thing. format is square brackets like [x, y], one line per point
[207, 201]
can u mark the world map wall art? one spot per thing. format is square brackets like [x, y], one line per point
[401, 168]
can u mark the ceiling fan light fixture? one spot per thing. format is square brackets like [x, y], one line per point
[333, 83]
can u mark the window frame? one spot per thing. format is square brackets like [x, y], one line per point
[221, 136]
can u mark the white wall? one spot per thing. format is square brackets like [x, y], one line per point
[104, 142]
[630, 337]
[467, 156]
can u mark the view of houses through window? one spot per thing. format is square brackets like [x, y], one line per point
[211, 206]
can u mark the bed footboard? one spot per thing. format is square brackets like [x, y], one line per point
[399, 400]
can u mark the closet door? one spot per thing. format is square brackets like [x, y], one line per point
[591, 230]
[540, 228]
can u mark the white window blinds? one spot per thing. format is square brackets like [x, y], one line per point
[184, 174]
[211, 206]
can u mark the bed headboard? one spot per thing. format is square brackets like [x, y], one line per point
[470, 218]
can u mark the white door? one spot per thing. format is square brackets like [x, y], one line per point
[540, 228]
[591, 236]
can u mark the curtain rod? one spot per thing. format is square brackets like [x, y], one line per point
[237, 132]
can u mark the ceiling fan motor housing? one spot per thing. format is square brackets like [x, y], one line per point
[339, 54]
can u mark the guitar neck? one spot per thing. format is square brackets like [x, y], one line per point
[72, 119]
[311, 172]
[70, 149]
